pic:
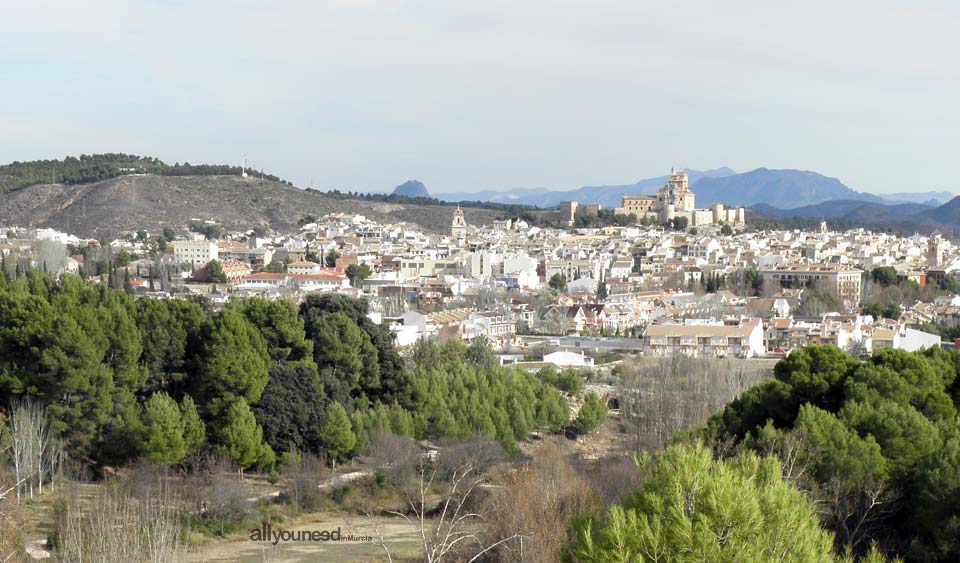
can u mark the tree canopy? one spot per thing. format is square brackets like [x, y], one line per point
[879, 439]
[691, 507]
[161, 379]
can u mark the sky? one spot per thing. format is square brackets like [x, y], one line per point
[365, 94]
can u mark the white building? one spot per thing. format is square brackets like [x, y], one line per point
[621, 268]
[304, 267]
[195, 252]
[55, 235]
[322, 282]
[743, 340]
[522, 270]
[479, 264]
[564, 359]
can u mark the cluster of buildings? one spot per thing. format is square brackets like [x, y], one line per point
[673, 201]
[717, 292]
[676, 199]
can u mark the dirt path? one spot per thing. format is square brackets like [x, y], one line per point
[400, 537]
[326, 484]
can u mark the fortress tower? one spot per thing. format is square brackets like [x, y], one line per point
[677, 192]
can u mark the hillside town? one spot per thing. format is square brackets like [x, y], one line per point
[561, 295]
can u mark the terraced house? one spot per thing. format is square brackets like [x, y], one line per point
[741, 340]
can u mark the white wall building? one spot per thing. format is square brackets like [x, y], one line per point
[522, 269]
[195, 252]
[564, 359]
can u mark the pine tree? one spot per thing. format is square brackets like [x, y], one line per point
[162, 439]
[336, 434]
[591, 415]
[693, 508]
[239, 437]
[194, 433]
[234, 363]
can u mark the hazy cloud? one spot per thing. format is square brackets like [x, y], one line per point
[464, 95]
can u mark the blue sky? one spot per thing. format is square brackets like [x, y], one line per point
[363, 94]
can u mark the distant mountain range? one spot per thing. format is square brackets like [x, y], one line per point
[607, 196]
[927, 198]
[900, 216]
[785, 189]
[769, 194]
[852, 209]
[782, 189]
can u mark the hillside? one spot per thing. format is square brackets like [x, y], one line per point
[855, 210]
[948, 213]
[110, 207]
[901, 216]
[784, 189]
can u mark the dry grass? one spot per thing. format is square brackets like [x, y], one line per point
[400, 536]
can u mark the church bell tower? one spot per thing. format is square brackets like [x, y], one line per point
[458, 228]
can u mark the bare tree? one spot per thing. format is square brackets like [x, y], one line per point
[659, 396]
[537, 503]
[213, 491]
[792, 450]
[35, 451]
[11, 541]
[396, 456]
[453, 533]
[376, 533]
[856, 513]
[302, 489]
[115, 527]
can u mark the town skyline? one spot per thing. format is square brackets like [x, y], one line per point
[547, 281]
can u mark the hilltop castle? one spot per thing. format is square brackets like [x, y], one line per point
[676, 199]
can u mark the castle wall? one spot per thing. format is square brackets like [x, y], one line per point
[702, 217]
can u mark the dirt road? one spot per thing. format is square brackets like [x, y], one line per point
[400, 537]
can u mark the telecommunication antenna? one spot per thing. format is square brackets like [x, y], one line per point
[243, 167]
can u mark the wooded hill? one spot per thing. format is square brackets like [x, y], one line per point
[107, 195]
[92, 168]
